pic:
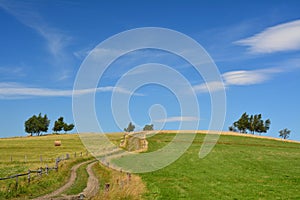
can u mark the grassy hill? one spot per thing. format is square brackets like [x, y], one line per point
[237, 168]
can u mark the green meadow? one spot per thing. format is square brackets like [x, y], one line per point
[237, 168]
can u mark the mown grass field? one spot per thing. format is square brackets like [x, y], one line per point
[26, 154]
[237, 168]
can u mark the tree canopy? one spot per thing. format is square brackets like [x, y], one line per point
[148, 127]
[68, 127]
[252, 123]
[60, 125]
[284, 133]
[37, 124]
[130, 127]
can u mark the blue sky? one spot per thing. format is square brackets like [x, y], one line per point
[255, 45]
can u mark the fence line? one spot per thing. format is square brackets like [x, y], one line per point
[37, 158]
[40, 171]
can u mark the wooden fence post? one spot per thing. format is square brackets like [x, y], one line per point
[67, 156]
[17, 182]
[75, 154]
[41, 158]
[25, 158]
[128, 177]
[80, 154]
[56, 164]
[28, 178]
[10, 158]
[41, 171]
[107, 187]
[81, 196]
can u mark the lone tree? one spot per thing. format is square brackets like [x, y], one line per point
[284, 133]
[253, 123]
[148, 127]
[37, 124]
[58, 125]
[130, 128]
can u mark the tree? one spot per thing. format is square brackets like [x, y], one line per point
[148, 127]
[37, 124]
[44, 123]
[263, 127]
[58, 125]
[284, 133]
[68, 127]
[130, 128]
[242, 124]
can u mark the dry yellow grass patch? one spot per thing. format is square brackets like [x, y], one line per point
[120, 185]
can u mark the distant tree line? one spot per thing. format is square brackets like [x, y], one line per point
[39, 124]
[131, 127]
[252, 123]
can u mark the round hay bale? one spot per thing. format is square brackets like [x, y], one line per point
[57, 143]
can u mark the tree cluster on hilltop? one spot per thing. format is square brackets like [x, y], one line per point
[131, 127]
[252, 123]
[38, 124]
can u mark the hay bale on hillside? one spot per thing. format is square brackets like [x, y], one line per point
[57, 143]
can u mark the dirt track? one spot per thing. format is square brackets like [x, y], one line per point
[90, 191]
[92, 184]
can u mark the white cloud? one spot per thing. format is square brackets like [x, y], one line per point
[209, 87]
[244, 77]
[283, 37]
[241, 77]
[17, 91]
[250, 77]
[177, 119]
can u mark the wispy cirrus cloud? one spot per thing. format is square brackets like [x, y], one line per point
[24, 13]
[10, 90]
[11, 71]
[209, 87]
[56, 40]
[249, 77]
[240, 78]
[282, 37]
[177, 119]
